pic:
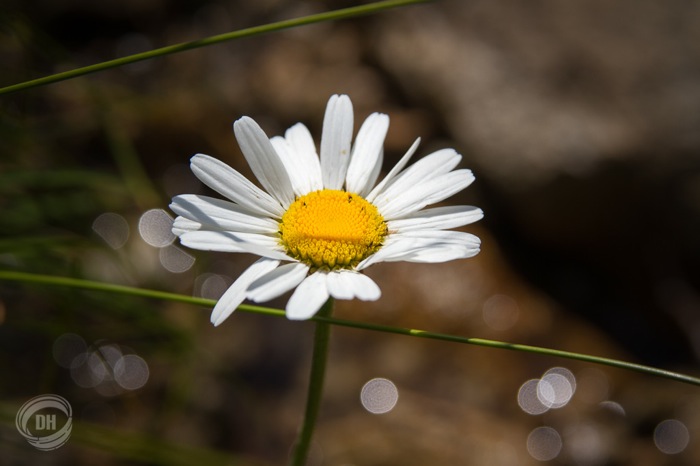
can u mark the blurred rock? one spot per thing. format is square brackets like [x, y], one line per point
[582, 121]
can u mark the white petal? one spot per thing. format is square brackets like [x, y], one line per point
[448, 184]
[392, 252]
[423, 194]
[226, 241]
[393, 172]
[234, 296]
[438, 218]
[277, 282]
[347, 284]
[220, 214]
[428, 168]
[366, 157]
[231, 184]
[338, 287]
[335, 141]
[183, 225]
[304, 150]
[365, 288]
[449, 236]
[308, 298]
[298, 175]
[425, 246]
[263, 160]
[444, 253]
[374, 175]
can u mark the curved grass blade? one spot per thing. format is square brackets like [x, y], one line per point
[132, 291]
[248, 32]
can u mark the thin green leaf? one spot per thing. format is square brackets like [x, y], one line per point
[132, 291]
[248, 32]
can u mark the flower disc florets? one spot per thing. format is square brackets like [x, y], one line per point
[332, 229]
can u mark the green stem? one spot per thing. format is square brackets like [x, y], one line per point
[132, 291]
[248, 32]
[313, 397]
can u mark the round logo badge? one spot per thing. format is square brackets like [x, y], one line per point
[39, 421]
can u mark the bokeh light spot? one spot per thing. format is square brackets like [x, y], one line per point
[93, 368]
[563, 371]
[379, 396]
[112, 228]
[613, 407]
[554, 390]
[544, 443]
[155, 227]
[175, 260]
[671, 436]
[210, 285]
[131, 372]
[529, 400]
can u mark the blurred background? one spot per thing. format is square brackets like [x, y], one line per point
[581, 121]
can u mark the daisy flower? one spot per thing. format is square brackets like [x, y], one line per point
[319, 222]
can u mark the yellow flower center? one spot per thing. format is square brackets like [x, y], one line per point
[331, 229]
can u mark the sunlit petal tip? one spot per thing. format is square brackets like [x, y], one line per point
[263, 159]
[421, 193]
[395, 171]
[308, 297]
[183, 225]
[221, 314]
[336, 140]
[236, 293]
[347, 284]
[366, 289]
[437, 218]
[367, 151]
[277, 282]
[226, 305]
[232, 185]
[304, 158]
[199, 156]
